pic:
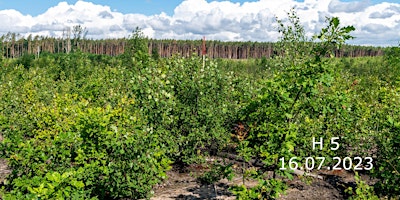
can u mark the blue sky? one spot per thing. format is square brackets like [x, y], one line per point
[137, 6]
[147, 7]
[377, 22]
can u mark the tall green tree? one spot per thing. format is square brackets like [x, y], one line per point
[136, 49]
[294, 105]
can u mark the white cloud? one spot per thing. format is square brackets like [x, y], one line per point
[47, 27]
[375, 28]
[223, 20]
[14, 21]
[105, 15]
[131, 21]
[338, 6]
[375, 15]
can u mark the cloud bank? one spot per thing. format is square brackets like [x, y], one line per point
[377, 25]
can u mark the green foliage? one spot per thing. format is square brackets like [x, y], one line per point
[266, 189]
[293, 44]
[392, 63]
[216, 173]
[26, 60]
[374, 97]
[115, 127]
[52, 186]
[252, 68]
[295, 98]
[331, 37]
[154, 54]
[388, 163]
[189, 104]
[137, 49]
[83, 125]
[203, 106]
[363, 191]
[104, 148]
[392, 55]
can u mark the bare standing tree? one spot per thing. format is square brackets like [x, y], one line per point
[79, 33]
[66, 39]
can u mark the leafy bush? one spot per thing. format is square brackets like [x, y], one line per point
[392, 66]
[93, 151]
[190, 104]
[363, 191]
[136, 50]
[204, 106]
[266, 189]
[77, 136]
[297, 103]
[387, 167]
[216, 173]
[26, 60]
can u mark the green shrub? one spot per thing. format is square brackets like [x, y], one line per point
[204, 105]
[387, 164]
[94, 151]
[296, 104]
[190, 104]
[63, 117]
[26, 60]
[363, 191]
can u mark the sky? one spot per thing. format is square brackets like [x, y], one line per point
[377, 22]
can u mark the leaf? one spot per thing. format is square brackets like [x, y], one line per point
[335, 21]
[390, 120]
[77, 184]
[114, 128]
[288, 115]
[348, 29]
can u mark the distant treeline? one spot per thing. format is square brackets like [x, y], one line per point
[13, 45]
